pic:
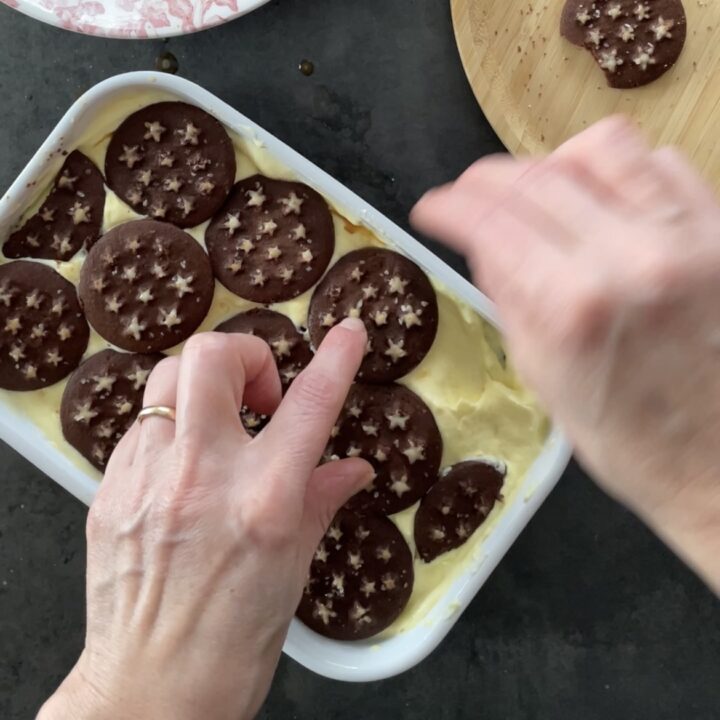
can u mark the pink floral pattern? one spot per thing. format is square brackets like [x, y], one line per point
[135, 18]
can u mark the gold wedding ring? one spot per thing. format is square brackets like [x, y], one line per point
[162, 411]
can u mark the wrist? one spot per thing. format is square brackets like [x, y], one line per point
[84, 697]
[75, 699]
[690, 525]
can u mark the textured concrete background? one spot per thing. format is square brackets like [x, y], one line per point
[588, 618]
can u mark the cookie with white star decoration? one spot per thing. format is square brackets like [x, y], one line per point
[395, 300]
[290, 348]
[252, 421]
[456, 506]
[272, 240]
[172, 162]
[360, 580]
[146, 286]
[291, 351]
[633, 41]
[102, 400]
[69, 218]
[395, 431]
[43, 333]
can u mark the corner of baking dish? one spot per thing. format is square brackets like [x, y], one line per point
[356, 661]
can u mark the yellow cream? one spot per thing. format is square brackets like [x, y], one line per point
[481, 409]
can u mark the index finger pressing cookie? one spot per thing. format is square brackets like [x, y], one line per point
[304, 419]
[395, 300]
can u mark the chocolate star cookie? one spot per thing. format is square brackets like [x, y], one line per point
[146, 286]
[102, 400]
[633, 41]
[291, 350]
[70, 217]
[395, 300]
[272, 240]
[456, 506]
[43, 334]
[252, 421]
[172, 162]
[360, 579]
[393, 429]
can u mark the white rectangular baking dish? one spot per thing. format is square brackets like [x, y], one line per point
[362, 661]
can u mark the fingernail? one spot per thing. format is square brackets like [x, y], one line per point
[353, 324]
[370, 479]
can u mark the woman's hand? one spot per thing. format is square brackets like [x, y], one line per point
[604, 261]
[200, 538]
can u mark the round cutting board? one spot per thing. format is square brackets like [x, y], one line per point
[537, 89]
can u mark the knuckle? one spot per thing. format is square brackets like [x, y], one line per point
[574, 167]
[186, 468]
[671, 157]
[659, 272]
[163, 366]
[180, 496]
[161, 375]
[260, 524]
[173, 511]
[206, 344]
[586, 317]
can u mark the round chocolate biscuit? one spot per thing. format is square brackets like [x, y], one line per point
[102, 400]
[252, 421]
[43, 333]
[360, 578]
[456, 506]
[289, 346]
[272, 240]
[394, 430]
[395, 300]
[172, 162]
[146, 286]
[71, 216]
[291, 350]
[633, 41]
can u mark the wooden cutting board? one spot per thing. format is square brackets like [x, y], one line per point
[537, 89]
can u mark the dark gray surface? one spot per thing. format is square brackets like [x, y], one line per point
[588, 618]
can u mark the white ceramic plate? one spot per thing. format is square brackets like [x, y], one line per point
[376, 658]
[135, 18]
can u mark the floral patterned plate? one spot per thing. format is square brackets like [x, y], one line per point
[135, 18]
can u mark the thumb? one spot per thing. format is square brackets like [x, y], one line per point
[330, 487]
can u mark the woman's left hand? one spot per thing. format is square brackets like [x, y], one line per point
[200, 538]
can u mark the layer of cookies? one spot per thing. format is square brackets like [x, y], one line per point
[480, 408]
